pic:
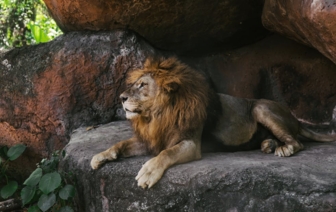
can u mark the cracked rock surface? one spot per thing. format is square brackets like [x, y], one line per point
[50, 89]
[238, 181]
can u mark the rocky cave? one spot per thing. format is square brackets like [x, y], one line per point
[279, 50]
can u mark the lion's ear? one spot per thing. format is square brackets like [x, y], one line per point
[171, 87]
[169, 63]
[151, 63]
[161, 63]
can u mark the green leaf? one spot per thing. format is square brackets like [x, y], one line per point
[15, 151]
[67, 192]
[35, 30]
[9, 189]
[34, 178]
[65, 209]
[27, 194]
[7, 3]
[49, 165]
[46, 201]
[49, 182]
[34, 208]
[44, 37]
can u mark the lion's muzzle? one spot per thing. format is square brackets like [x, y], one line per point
[123, 97]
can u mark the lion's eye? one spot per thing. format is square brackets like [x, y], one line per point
[142, 85]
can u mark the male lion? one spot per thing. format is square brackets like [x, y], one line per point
[168, 103]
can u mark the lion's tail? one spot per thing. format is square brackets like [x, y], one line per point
[307, 133]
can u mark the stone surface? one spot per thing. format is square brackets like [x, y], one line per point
[240, 181]
[194, 26]
[48, 90]
[311, 22]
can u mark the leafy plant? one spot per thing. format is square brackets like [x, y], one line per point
[45, 189]
[7, 155]
[25, 22]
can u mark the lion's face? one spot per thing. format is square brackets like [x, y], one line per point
[138, 99]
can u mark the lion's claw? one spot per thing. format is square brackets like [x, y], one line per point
[97, 161]
[149, 174]
[284, 151]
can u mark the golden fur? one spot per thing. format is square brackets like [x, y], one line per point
[166, 102]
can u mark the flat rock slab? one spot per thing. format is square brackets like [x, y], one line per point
[239, 181]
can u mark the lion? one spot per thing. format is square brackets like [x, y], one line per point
[169, 105]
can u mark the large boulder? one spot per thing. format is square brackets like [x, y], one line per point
[310, 22]
[196, 26]
[48, 90]
[240, 181]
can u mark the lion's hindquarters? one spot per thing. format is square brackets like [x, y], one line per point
[235, 125]
[282, 124]
[239, 123]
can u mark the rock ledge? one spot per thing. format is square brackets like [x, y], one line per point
[240, 181]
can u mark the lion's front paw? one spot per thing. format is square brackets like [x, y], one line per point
[101, 158]
[149, 174]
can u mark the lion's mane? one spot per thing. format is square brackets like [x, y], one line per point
[180, 107]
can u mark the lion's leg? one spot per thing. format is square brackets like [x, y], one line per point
[152, 170]
[281, 123]
[269, 145]
[126, 148]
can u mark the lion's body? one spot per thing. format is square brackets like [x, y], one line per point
[168, 104]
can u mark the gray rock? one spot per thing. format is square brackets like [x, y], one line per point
[239, 181]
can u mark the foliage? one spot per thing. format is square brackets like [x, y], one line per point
[7, 155]
[25, 22]
[45, 189]
[9, 189]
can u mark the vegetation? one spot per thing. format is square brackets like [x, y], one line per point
[25, 22]
[44, 190]
[7, 155]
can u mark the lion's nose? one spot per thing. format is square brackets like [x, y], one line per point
[123, 98]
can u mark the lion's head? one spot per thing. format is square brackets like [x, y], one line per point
[138, 99]
[164, 97]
